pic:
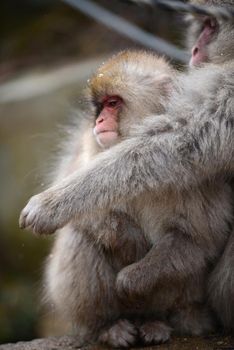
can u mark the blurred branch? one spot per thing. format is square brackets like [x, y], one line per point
[129, 30]
[34, 85]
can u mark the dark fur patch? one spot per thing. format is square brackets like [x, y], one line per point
[205, 130]
[182, 121]
[229, 123]
[151, 132]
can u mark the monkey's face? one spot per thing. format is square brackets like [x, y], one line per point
[126, 89]
[210, 40]
[205, 30]
[106, 129]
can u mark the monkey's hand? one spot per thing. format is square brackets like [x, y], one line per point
[132, 285]
[44, 213]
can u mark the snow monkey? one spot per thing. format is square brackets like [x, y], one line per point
[82, 270]
[215, 45]
[194, 157]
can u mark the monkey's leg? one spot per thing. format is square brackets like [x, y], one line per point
[81, 284]
[121, 241]
[221, 286]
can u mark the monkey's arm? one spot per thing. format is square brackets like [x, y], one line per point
[171, 261]
[178, 159]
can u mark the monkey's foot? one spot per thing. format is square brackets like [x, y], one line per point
[121, 335]
[154, 332]
[44, 214]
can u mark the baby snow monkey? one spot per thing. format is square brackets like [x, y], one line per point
[87, 255]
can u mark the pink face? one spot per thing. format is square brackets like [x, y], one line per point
[106, 129]
[200, 49]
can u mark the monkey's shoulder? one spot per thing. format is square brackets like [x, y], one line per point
[201, 89]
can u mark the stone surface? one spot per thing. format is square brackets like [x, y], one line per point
[183, 343]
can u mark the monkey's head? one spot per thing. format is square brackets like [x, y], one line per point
[127, 88]
[211, 40]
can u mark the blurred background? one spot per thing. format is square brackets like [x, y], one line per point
[47, 52]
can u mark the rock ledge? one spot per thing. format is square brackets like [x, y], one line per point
[213, 342]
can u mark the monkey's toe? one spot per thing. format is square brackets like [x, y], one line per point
[121, 335]
[154, 332]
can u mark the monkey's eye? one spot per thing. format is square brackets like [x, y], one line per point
[113, 102]
[210, 24]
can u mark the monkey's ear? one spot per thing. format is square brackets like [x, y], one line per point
[165, 82]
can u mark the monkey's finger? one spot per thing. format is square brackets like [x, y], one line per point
[23, 219]
[26, 218]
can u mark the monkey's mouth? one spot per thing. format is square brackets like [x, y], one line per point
[107, 138]
[106, 133]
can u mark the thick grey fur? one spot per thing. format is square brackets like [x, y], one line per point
[194, 157]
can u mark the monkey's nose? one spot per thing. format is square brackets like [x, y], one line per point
[99, 121]
[195, 51]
